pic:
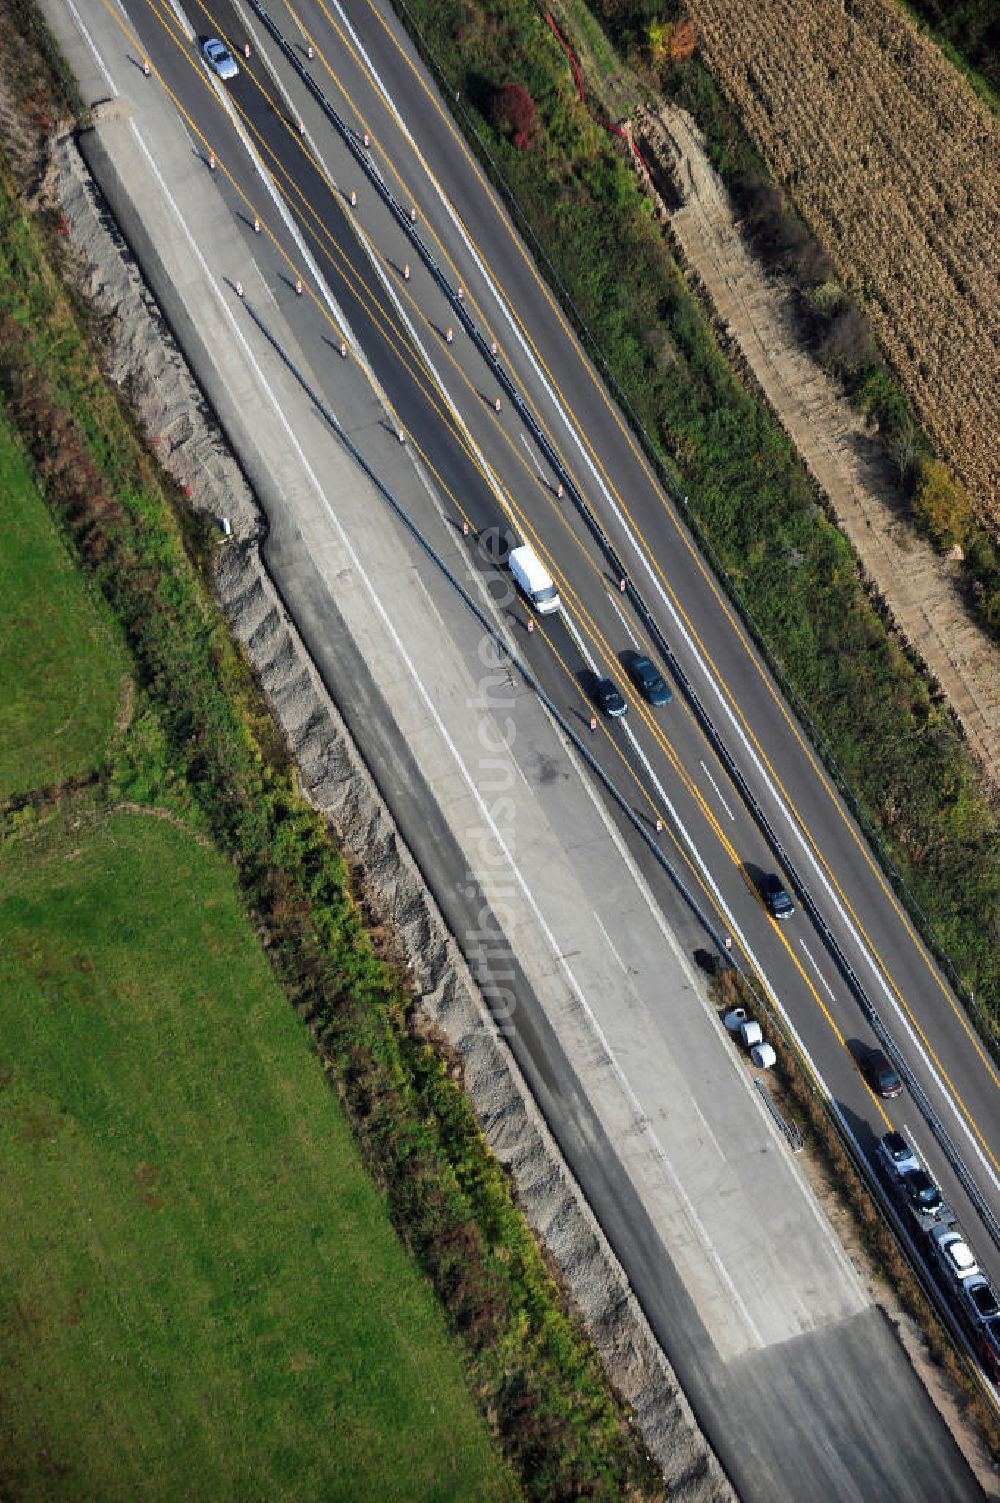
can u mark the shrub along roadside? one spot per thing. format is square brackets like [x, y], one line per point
[537, 1378]
[889, 740]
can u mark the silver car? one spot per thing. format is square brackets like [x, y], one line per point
[897, 1156]
[219, 58]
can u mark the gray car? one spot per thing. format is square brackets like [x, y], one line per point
[897, 1156]
[219, 58]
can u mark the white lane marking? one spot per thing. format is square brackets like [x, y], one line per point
[585, 780]
[98, 59]
[741, 1076]
[625, 622]
[718, 792]
[819, 973]
[609, 942]
[533, 456]
[635, 1106]
[708, 1131]
[695, 652]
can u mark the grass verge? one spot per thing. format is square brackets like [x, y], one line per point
[201, 1295]
[61, 665]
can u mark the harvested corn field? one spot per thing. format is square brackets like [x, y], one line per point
[896, 165]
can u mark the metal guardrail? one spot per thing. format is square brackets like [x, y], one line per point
[505, 654]
[406, 219]
[789, 1130]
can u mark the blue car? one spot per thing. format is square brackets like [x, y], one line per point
[650, 681]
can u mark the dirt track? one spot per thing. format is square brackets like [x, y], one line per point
[756, 314]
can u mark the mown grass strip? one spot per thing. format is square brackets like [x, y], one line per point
[887, 736]
[61, 665]
[201, 1295]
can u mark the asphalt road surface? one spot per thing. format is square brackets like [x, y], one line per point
[766, 1405]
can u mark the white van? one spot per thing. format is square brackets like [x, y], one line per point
[533, 580]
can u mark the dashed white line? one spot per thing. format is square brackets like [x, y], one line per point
[822, 979]
[718, 792]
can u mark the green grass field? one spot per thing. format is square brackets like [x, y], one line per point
[200, 1293]
[60, 665]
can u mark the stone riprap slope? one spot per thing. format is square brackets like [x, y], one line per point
[896, 164]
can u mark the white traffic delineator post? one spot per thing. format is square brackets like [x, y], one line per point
[367, 139]
[659, 826]
[493, 349]
[343, 349]
[302, 127]
[622, 583]
[531, 624]
[449, 335]
[246, 50]
[309, 52]
[401, 436]
[298, 286]
[211, 161]
[239, 289]
[461, 293]
[413, 216]
[406, 272]
[465, 529]
[496, 404]
[593, 722]
[354, 199]
[559, 489]
[256, 225]
[145, 66]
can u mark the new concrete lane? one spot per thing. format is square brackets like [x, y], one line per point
[653, 1108]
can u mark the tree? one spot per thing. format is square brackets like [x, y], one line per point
[941, 505]
[513, 113]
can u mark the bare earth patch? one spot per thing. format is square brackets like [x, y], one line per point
[756, 313]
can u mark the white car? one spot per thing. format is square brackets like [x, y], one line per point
[953, 1253]
[219, 58]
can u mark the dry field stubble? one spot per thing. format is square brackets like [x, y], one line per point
[896, 165]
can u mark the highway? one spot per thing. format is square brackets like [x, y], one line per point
[483, 469]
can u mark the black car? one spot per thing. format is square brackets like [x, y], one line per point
[779, 904]
[922, 1193]
[650, 681]
[609, 698]
[880, 1075]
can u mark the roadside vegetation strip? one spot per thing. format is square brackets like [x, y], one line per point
[203, 740]
[202, 1294]
[61, 663]
[882, 728]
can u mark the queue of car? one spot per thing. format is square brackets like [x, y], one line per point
[947, 1249]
